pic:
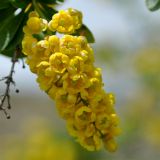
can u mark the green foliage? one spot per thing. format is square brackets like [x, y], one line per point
[9, 28]
[153, 5]
[4, 4]
[60, 0]
[19, 3]
[48, 1]
[47, 11]
[16, 41]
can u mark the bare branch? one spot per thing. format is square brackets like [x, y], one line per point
[9, 81]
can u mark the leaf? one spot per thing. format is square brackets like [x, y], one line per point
[153, 5]
[48, 1]
[48, 12]
[60, 0]
[39, 36]
[9, 28]
[4, 4]
[16, 41]
[20, 3]
[84, 31]
[5, 13]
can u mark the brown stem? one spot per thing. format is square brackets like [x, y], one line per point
[9, 81]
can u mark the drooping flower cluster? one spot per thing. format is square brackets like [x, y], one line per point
[66, 72]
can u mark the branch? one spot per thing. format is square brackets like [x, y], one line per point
[9, 81]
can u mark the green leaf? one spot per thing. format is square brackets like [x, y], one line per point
[20, 3]
[48, 12]
[4, 4]
[48, 1]
[153, 5]
[39, 36]
[9, 28]
[5, 13]
[16, 41]
[60, 0]
[84, 31]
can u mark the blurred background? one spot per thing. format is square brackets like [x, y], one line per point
[127, 49]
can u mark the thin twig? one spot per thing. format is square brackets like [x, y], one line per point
[9, 81]
[23, 64]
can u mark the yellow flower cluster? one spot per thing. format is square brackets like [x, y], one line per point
[66, 21]
[35, 24]
[66, 72]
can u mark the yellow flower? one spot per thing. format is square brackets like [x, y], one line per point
[35, 24]
[44, 81]
[66, 21]
[91, 143]
[72, 129]
[52, 91]
[27, 44]
[83, 42]
[42, 50]
[33, 14]
[102, 122]
[53, 43]
[76, 66]
[59, 62]
[77, 17]
[105, 104]
[70, 45]
[39, 52]
[110, 144]
[93, 93]
[84, 116]
[76, 85]
[89, 130]
[62, 22]
[66, 111]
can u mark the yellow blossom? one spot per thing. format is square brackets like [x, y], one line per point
[76, 66]
[91, 143]
[59, 62]
[70, 45]
[44, 81]
[53, 43]
[66, 21]
[110, 144]
[84, 116]
[35, 24]
[77, 17]
[27, 44]
[76, 84]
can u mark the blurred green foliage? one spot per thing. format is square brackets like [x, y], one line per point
[153, 5]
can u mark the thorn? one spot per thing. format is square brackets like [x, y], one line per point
[17, 90]
[8, 116]
[23, 64]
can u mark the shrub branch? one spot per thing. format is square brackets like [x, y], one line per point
[5, 98]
